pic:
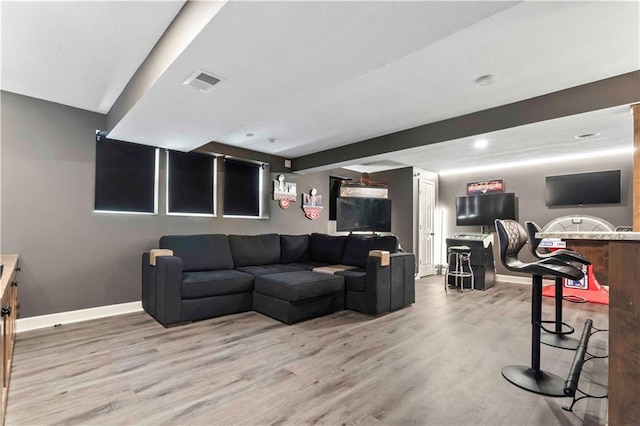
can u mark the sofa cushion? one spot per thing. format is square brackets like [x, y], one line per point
[326, 248]
[255, 250]
[357, 248]
[200, 252]
[294, 248]
[257, 271]
[196, 285]
[301, 285]
[354, 280]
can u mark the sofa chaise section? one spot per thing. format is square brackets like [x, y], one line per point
[297, 296]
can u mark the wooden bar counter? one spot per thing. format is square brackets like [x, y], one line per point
[623, 263]
[8, 314]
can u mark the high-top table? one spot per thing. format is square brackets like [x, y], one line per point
[620, 257]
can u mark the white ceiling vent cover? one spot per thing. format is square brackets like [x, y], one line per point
[202, 81]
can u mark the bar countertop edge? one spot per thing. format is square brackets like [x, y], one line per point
[591, 235]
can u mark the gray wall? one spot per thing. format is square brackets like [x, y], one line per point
[528, 183]
[404, 193]
[400, 183]
[71, 257]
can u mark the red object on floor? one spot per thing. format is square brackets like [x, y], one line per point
[588, 288]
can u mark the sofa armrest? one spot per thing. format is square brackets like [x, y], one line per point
[390, 287]
[404, 273]
[148, 285]
[168, 294]
[385, 256]
[155, 253]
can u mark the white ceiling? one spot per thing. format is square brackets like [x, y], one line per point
[80, 54]
[612, 127]
[317, 75]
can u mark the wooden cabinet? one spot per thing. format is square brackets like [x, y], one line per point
[8, 314]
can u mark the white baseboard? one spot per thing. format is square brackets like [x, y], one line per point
[502, 278]
[44, 321]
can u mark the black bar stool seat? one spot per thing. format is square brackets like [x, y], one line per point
[512, 238]
[558, 337]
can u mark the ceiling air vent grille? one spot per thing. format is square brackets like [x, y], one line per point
[202, 81]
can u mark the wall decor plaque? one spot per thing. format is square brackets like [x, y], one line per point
[284, 192]
[312, 204]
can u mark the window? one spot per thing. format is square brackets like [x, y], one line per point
[190, 184]
[242, 188]
[126, 177]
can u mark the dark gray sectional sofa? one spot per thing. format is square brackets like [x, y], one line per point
[213, 275]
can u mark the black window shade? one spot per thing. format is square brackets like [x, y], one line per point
[241, 188]
[125, 177]
[190, 183]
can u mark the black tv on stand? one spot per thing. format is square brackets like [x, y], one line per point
[363, 214]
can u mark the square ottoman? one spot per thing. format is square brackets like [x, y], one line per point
[291, 297]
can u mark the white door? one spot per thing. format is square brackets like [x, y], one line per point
[426, 213]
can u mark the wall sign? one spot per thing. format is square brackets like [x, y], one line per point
[284, 192]
[485, 187]
[364, 188]
[364, 191]
[312, 204]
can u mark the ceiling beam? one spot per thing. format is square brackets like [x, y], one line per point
[619, 90]
[277, 164]
[188, 23]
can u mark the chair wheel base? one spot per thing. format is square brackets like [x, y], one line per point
[559, 341]
[539, 382]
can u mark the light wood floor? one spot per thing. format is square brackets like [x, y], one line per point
[435, 363]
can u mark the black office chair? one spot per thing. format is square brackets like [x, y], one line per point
[512, 237]
[558, 337]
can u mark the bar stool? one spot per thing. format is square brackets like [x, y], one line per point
[512, 238]
[557, 338]
[462, 260]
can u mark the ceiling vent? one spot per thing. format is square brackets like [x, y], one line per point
[202, 81]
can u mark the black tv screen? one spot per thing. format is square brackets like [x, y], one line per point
[363, 214]
[584, 188]
[484, 209]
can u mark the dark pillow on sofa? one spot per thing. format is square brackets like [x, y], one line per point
[357, 248]
[255, 250]
[294, 248]
[326, 248]
[200, 252]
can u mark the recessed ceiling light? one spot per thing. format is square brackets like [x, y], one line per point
[272, 140]
[249, 135]
[486, 80]
[481, 143]
[586, 136]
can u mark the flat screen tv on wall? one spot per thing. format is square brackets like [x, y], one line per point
[484, 209]
[583, 188]
[363, 214]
